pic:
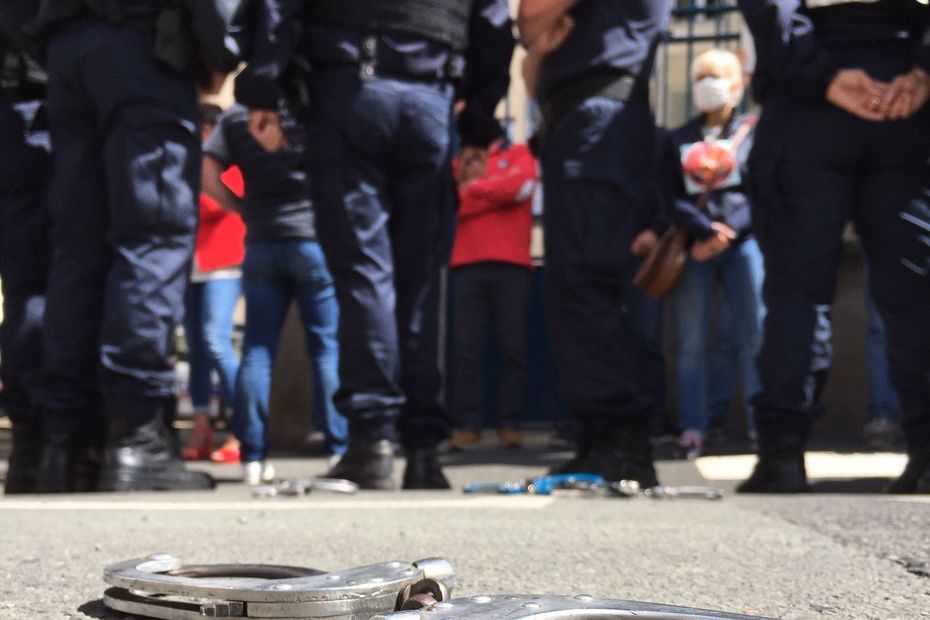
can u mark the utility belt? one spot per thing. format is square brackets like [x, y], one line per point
[614, 85]
[189, 37]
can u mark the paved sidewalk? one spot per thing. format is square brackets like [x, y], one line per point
[823, 555]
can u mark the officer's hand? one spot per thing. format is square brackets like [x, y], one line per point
[644, 243]
[265, 127]
[906, 95]
[856, 92]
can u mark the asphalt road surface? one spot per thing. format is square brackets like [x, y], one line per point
[843, 552]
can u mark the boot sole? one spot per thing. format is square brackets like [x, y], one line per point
[123, 483]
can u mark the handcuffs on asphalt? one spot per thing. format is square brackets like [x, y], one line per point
[590, 484]
[160, 586]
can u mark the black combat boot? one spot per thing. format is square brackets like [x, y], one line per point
[23, 466]
[369, 464]
[70, 461]
[916, 476]
[140, 456]
[624, 452]
[423, 470]
[578, 464]
[780, 468]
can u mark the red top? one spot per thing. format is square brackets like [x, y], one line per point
[221, 234]
[495, 218]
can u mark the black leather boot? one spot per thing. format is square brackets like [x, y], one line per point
[140, 456]
[916, 475]
[23, 467]
[70, 463]
[780, 468]
[624, 452]
[369, 464]
[423, 470]
[578, 464]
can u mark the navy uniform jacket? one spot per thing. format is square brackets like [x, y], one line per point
[609, 35]
[801, 44]
[273, 43]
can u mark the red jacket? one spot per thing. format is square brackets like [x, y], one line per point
[221, 234]
[495, 218]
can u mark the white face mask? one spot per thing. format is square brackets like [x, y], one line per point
[712, 93]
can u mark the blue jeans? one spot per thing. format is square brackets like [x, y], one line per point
[739, 272]
[723, 366]
[208, 324]
[274, 274]
[884, 402]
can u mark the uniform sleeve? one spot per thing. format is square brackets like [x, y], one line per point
[273, 40]
[487, 69]
[680, 208]
[788, 54]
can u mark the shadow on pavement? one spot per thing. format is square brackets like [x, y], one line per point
[851, 485]
[96, 609]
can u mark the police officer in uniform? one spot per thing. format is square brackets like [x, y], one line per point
[123, 199]
[589, 63]
[383, 77]
[844, 133]
[24, 244]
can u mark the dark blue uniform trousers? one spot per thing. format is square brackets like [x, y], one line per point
[812, 169]
[24, 262]
[597, 166]
[381, 175]
[123, 201]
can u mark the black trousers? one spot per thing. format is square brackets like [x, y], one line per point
[123, 200]
[383, 192]
[25, 253]
[815, 167]
[597, 170]
[486, 293]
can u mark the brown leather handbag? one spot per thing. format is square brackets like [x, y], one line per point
[661, 270]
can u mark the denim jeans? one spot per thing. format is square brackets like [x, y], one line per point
[208, 324]
[723, 364]
[884, 402]
[739, 272]
[274, 274]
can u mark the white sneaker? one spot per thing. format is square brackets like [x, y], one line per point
[256, 472]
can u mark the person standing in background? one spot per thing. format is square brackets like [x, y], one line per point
[209, 305]
[283, 263]
[491, 278]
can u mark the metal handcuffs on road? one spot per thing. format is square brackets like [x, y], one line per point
[160, 586]
[526, 607]
[294, 487]
[590, 484]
